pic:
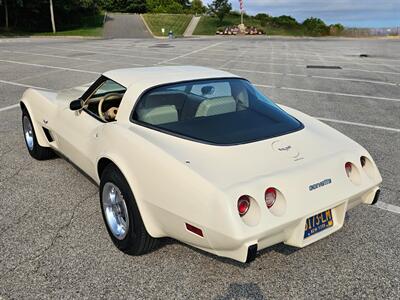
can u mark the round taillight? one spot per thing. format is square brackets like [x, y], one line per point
[348, 167]
[243, 205]
[270, 197]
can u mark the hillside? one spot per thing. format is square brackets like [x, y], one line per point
[175, 22]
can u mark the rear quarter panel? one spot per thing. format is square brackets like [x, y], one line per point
[168, 192]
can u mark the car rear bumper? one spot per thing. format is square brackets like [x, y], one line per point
[290, 233]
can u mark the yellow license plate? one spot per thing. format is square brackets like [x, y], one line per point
[318, 223]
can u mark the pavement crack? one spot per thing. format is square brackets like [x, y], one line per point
[23, 167]
[53, 240]
[9, 150]
[13, 224]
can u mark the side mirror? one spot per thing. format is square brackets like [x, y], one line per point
[76, 105]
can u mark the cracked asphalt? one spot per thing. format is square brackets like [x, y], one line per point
[54, 245]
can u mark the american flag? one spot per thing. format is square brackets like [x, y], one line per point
[241, 4]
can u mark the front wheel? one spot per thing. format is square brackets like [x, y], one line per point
[121, 214]
[34, 149]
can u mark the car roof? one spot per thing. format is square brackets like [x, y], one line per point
[153, 76]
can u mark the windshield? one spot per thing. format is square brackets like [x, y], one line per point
[217, 111]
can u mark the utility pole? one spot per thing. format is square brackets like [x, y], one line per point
[53, 24]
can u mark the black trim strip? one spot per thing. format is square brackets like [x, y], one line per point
[47, 134]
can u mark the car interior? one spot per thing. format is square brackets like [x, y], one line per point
[105, 100]
[175, 105]
[218, 111]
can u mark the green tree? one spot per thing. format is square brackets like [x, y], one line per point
[220, 8]
[315, 27]
[197, 7]
[134, 6]
[287, 22]
[336, 29]
[264, 19]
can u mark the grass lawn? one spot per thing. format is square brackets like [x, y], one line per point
[284, 31]
[88, 31]
[12, 33]
[176, 23]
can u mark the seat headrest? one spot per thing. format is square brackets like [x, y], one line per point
[216, 106]
[158, 115]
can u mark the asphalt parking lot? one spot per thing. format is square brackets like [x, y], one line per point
[53, 243]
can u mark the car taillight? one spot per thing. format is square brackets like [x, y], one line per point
[270, 197]
[348, 167]
[243, 205]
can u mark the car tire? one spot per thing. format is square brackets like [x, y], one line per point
[122, 217]
[35, 150]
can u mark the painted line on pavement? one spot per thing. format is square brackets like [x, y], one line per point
[328, 93]
[47, 66]
[9, 107]
[51, 55]
[314, 76]
[304, 66]
[358, 124]
[101, 53]
[190, 53]
[22, 85]
[389, 207]
[372, 71]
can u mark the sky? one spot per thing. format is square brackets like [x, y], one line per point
[351, 13]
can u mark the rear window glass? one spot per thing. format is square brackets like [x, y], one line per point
[217, 111]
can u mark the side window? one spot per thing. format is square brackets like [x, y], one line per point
[103, 99]
[108, 86]
[212, 89]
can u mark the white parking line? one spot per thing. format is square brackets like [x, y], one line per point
[47, 66]
[320, 58]
[350, 57]
[359, 124]
[9, 107]
[51, 55]
[101, 53]
[328, 93]
[370, 71]
[190, 53]
[314, 76]
[304, 66]
[389, 207]
[22, 85]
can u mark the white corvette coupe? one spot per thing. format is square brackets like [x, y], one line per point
[200, 155]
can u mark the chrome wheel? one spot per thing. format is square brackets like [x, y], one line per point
[28, 132]
[115, 211]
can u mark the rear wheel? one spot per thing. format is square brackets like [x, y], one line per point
[34, 149]
[121, 214]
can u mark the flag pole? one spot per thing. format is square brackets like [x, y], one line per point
[241, 11]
